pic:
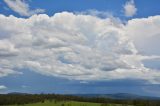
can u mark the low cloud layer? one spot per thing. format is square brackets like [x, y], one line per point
[79, 47]
[22, 8]
[2, 87]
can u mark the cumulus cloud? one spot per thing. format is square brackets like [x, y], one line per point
[83, 48]
[145, 34]
[130, 8]
[22, 8]
[2, 87]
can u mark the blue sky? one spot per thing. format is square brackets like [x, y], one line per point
[145, 8]
[82, 46]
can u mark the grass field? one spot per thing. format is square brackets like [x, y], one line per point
[69, 103]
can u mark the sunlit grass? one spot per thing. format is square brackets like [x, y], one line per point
[68, 103]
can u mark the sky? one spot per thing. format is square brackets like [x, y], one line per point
[80, 46]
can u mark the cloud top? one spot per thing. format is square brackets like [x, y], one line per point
[130, 8]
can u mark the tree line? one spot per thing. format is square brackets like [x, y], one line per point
[20, 99]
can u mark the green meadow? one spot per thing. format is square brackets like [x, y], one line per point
[68, 103]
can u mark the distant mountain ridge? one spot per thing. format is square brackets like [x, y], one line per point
[124, 96]
[18, 93]
[119, 96]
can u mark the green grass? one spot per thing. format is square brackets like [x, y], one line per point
[67, 103]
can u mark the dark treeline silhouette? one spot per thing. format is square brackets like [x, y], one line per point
[20, 99]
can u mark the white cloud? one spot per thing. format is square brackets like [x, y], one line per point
[81, 48]
[22, 8]
[130, 8]
[4, 71]
[2, 87]
[145, 34]
[93, 12]
[7, 49]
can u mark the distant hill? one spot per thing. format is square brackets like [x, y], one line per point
[124, 96]
[19, 93]
[119, 96]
